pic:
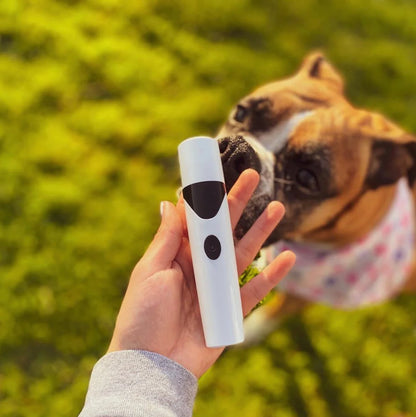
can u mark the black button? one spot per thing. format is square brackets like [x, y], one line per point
[212, 247]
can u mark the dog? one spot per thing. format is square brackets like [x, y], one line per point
[346, 178]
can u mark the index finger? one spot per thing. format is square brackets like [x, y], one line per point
[240, 194]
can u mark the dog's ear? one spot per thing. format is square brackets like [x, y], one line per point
[393, 152]
[315, 65]
[391, 161]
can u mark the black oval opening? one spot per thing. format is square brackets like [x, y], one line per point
[205, 197]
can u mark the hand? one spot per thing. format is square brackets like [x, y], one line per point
[160, 311]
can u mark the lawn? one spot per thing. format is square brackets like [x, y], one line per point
[95, 96]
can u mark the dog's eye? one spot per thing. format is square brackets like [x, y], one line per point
[240, 114]
[307, 179]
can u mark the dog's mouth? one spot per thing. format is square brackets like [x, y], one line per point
[238, 154]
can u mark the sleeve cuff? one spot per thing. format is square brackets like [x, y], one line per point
[133, 383]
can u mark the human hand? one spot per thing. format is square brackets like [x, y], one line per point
[160, 311]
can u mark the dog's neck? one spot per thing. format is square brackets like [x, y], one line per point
[370, 209]
[369, 270]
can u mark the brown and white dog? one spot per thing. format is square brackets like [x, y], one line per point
[344, 176]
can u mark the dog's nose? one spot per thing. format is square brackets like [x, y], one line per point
[237, 155]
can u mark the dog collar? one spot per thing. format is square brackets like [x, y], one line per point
[365, 272]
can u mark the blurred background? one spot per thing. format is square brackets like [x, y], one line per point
[95, 96]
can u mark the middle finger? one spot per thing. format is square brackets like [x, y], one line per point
[247, 248]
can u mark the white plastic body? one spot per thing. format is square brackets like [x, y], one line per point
[216, 280]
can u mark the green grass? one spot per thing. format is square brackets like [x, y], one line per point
[94, 98]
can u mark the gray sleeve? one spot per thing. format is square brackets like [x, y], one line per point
[136, 383]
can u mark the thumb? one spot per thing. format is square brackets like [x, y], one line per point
[166, 243]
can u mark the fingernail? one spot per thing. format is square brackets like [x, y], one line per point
[162, 206]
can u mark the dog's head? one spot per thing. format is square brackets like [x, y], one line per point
[333, 166]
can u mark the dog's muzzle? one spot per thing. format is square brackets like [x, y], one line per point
[237, 155]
